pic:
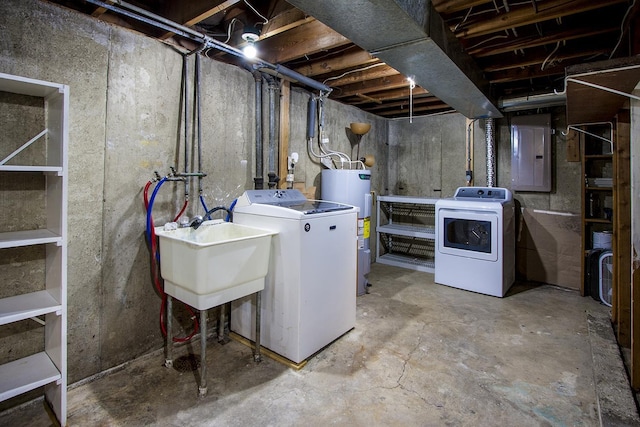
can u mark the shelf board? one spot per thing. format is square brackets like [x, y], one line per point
[27, 86]
[598, 156]
[26, 374]
[405, 261]
[408, 230]
[407, 199]
[598, 188]
[25, 306]
[598, 220]
[587, 104]
[20, 168]
[14, 239]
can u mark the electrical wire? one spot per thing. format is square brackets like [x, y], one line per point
[622, 30]
[231, 24]
[544, 63]
[353, 71]
[266, 21]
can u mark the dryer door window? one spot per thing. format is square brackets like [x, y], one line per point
[469, 234]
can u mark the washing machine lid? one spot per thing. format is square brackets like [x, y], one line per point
[290, 199]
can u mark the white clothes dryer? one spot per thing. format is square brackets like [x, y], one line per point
[475, 240]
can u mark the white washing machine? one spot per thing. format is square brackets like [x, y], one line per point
[475, 233]
[308, 300]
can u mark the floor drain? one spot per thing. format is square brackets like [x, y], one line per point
[187, 363]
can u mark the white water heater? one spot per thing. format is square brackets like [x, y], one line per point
[353, 187]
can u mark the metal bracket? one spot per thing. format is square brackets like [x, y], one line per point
[574, 127]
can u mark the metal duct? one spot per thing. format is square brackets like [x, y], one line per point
[491, 153]
[532, 101]
[410, 36]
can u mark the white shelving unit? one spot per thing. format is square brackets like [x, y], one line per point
[405, 231]
[47, 368]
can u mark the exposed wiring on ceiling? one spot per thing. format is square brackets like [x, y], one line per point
[622, 29]
[463, 20]
[487, 40]
[353, 71]
[550, 55]
[231, 24]
[266, 21]
[328, 53]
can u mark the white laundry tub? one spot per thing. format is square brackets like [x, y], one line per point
[214, 264]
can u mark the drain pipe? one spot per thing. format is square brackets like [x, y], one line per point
[491, 153]
[273, 87]
[259, 179]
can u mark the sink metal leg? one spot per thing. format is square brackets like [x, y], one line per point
[221, 338]
[257, 357]
[168, 357]
[202, 389]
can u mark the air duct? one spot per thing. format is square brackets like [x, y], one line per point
[410, 36]
[530, 102]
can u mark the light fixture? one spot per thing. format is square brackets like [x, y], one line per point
[250, 35]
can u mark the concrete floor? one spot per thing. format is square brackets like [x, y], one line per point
[421, 354]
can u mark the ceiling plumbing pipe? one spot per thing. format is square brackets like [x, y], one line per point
[273, 87]
[491, 153]
[158, 21]
[258, 179]
[185, 98]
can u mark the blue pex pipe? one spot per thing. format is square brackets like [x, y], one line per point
[150, 208]
[204, 205]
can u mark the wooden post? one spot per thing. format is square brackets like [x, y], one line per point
[285, 121]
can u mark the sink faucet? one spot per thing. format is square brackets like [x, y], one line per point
[196, 222]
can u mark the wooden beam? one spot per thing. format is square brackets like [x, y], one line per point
[189, 13]
[380, 70]
[351, 57]
[369, 86]
[422, 99]
[622, 227]
[510, 44]
[391, 95]
[101, 10]
[514, 61]
[524, 15]
[285, 21]
[307, 39]
[451, 6]
[285, 125]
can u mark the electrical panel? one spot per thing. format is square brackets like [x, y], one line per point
[531, 153]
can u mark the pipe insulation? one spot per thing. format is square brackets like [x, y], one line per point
[491, 152]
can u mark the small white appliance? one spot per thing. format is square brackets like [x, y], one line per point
[605, 274]
[475, 234]
[308, 300]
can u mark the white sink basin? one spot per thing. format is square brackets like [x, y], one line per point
[214, 264]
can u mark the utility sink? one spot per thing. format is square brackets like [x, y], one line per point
[216, 263]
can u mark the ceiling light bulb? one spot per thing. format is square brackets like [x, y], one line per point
[250, 35]
[250, 51]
